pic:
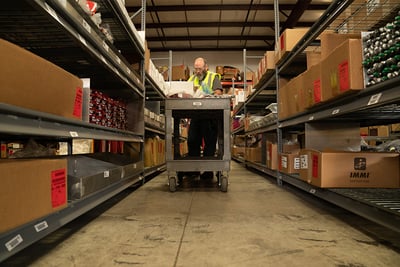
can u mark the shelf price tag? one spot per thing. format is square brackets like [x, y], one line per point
[374, 99]
[106, 174]
[335, 111]
[41, 226]
[313, 191]
[73, 134]
[105, 46]
[311, 118]
[14, 242]
[86, 26]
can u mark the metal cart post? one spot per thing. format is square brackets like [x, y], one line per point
[216, 108]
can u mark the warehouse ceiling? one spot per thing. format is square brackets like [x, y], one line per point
[189, 25]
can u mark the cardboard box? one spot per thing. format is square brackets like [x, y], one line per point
[305, 164]
[364, 131]
[354, 169]
[297, 86]
[31, 189]
[283, 100]
[381, 131]
[219, 70]
[311, 92]
[290, 93]
[288, 39]
[31, 82]
[238, 151]
[272, 155]
[148, 152]
[313, 57]
[342, 70]
[269, 60]
[253, 154]
[395, 127]
[291, 148]
[289, 162]
[330, 41]
[180, 73]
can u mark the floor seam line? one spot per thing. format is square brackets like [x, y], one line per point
[183, 232]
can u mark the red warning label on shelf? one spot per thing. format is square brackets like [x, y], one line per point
[58, 187]
[78, 103]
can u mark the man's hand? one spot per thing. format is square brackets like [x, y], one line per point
[218, 92]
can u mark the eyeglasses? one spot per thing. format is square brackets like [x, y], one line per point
[199, 69]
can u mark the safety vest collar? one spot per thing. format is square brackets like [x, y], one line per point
[206, 85]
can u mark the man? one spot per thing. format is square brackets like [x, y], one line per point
[204, 129]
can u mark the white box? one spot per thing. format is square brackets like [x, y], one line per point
[178, 87]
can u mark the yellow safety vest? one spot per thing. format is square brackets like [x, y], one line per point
[207, 83]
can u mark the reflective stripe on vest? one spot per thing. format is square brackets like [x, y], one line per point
[207, 83]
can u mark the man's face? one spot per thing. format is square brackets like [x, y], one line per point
[200, 69]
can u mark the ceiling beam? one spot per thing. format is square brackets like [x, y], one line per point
[208, 38]
[298, 10]
[214, 48]
[219, 24]
[166, 8]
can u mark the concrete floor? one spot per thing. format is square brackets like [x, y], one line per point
[256, 223]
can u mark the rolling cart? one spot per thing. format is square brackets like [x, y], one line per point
[178, 110]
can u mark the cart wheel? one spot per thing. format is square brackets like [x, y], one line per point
[224, 184]
[172, 184]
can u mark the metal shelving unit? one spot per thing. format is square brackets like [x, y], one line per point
[378, 104]
[62, 33]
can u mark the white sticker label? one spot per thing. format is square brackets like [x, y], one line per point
[311, 118]
[284, 162]
[13, 243]
[313, 191]
[335, 111]
[296, 163]
[374, 99]
[303, 162]
[106, 174]
[41, 226]
[73, 134]
[197, 104]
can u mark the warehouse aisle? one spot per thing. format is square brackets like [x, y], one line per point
[255, 224]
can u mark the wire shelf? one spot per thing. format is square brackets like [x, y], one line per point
[364, 15]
